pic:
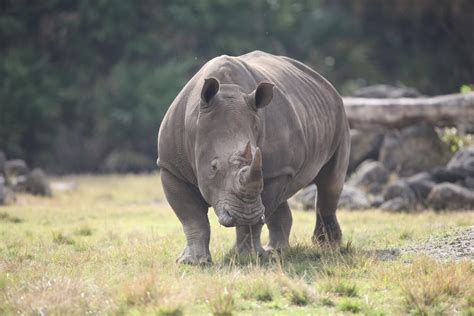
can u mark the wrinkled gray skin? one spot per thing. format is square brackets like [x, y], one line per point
[243, 136]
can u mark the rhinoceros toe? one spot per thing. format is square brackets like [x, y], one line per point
[194, 257]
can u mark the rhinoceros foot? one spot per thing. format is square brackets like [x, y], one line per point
[248, 250]
[327, 231]
[193, 256]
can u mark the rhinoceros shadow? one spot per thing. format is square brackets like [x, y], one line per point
[302, 259]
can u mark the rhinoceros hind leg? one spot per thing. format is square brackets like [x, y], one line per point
[279, 226]
[191, 209]
[330, 182]
[248, 240]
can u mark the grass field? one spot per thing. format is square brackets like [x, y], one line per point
[109, 247]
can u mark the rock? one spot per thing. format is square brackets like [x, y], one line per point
[399, 196]
[421, 184]
[450, 196]
[371, 176]
[382, 91]
[364, 145]
[377, 201]
[3, 160]
[469, 182]
[307, 197]
[414, 149]
[127, 161]
[463, 162]
[7, 196]
[37, 183]
[353, 199]
[16, 172]
[443, 174]
[396, 205]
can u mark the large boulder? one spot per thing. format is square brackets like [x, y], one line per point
[3, 160]
[382, 91]
[463, 162]
[396, 205]
[7, 196]
[414, 149]
[399, 196]
[421, 184]
[364, 145]
[449, 196]
[16, 173]
[306, 197]
[353, 199]
[371, 176]
[37, 183]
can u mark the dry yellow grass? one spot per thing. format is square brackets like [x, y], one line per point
[108, 247]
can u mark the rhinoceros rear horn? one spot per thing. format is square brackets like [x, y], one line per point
[261, 96]
[209, 90]
[247, 154]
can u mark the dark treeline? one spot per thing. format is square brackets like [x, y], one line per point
[85, 84]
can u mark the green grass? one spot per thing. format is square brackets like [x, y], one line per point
[109, 247]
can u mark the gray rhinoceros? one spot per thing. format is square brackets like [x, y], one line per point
[243, 136]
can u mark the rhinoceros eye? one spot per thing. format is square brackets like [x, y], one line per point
[214, 166]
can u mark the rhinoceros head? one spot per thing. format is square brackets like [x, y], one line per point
[228, 162]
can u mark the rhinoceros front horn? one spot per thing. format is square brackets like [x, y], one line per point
[251, 180]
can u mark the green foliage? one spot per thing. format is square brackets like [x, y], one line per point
[350, 306]
[455, 140]
[8, 218]
[466, 88]
[346, 289]
[81, 79]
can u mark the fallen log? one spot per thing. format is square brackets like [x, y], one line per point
[446, 110]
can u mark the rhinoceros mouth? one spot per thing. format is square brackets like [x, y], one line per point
[231, 213]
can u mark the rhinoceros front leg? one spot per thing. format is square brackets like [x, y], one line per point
[279, 226]
[248, 240]
[191, 209]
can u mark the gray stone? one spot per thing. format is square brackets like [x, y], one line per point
[463, 162]
[469, 182]
[307, 197]
[3, 160]
[414, 149]
[364, 145]
[371, 176]
[399, 196]
[7, 196]
[16, 172]
[449, 196]
[421, 184]
[396, 205]
[37, 183]
[353, 199]
[443, 174]
[382, 91]
[402, 189]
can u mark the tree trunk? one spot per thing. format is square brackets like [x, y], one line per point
[446, 110]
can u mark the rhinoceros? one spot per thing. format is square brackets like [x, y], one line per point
[243, 136]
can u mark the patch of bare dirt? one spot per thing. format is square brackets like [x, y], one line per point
[457, 245]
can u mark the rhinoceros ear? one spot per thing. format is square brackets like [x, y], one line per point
[209, 90]
[262, 96]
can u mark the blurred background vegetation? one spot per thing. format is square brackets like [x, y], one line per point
[85, 84]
